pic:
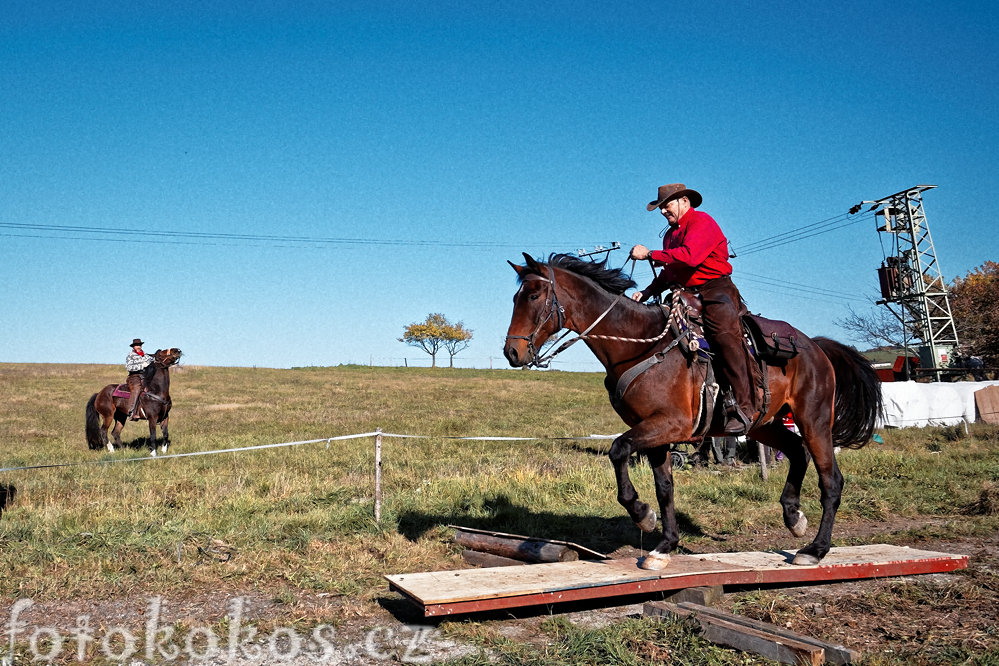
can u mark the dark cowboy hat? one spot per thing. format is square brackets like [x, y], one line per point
[675, 191]
[137, 343]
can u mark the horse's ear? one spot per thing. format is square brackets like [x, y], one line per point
[532, 263]
[520, 269]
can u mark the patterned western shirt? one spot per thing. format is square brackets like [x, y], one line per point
[135, 362]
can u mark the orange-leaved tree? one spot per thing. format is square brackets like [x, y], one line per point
[974, 303]
[436, 333]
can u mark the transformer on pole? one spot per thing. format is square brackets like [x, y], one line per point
[912, 285]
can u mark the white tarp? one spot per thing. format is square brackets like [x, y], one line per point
[913, 404]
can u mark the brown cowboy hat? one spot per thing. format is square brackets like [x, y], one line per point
[137, 343]
[675, 191]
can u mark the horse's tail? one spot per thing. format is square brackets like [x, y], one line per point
[858, 394]
[97, 437]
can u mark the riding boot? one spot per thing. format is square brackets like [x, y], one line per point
[733, 366]
[720, 307]
[135, 391]
[736, 421]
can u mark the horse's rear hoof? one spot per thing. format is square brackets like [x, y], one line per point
[648, 524]
[655, 561]
[801, 526]
[805, 560]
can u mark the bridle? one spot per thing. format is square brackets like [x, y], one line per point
[168, 360]
[554, 310]
[557, 311]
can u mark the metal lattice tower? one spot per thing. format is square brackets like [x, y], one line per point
[912, 284]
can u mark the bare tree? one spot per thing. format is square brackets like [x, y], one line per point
[879, 328]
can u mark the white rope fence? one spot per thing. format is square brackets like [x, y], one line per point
[377, 434]
[328, 440]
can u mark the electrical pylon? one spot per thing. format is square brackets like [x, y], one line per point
[912, 284]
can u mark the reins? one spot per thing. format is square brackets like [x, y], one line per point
[543, 361]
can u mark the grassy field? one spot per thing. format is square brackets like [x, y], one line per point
[297, 521]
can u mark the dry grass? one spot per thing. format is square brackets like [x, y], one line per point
[299, 516]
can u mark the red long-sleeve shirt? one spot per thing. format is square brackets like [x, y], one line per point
[694, 251]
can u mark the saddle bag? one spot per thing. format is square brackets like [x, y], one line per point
[774, 340]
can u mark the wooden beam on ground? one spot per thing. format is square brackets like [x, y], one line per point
[750, 635]
[475, 590]
[784, 649]
[705, 595]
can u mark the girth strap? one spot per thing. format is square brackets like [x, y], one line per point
[632, 373]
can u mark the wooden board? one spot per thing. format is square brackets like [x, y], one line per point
[474, 590]
[987, 401]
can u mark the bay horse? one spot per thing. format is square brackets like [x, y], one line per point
[154, 405]
[655, 384]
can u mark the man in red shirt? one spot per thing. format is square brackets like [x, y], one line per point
[695, 256]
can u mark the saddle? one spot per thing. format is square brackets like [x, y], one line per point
[121, 391]
[767, 342]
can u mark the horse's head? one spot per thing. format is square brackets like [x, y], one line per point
[167, 357]
[536, 313]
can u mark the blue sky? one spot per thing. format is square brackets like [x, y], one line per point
[283, 185]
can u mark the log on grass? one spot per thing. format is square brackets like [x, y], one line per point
[486, 560]
[527, 550]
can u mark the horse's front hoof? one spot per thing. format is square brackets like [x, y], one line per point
[805, 560]
[654, 561]
[648, 524]
[801, 526]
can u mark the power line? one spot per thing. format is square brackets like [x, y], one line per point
[795, 235]
[103, 234]
[178, 237]
[816, 293]
[784, 234]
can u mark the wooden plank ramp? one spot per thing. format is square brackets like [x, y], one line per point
[475, 590]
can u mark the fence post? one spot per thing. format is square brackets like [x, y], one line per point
[763, 460]
[378, 475]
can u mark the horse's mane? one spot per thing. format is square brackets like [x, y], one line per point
[612, 279]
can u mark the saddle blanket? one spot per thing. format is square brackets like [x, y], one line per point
[121, 391]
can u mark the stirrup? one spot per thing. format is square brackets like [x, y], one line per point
[735, 426]
[736, 421]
